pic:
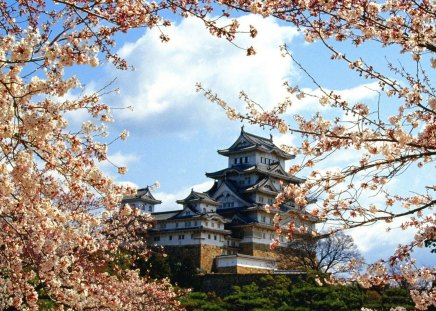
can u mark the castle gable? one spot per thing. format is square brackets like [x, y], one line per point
[186, 213]
[265, 185]
[229, 197]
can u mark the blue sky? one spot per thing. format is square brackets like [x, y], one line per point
[175, 132]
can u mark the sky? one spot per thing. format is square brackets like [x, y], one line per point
[175, 132]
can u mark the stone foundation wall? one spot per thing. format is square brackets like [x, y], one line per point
[207, 257]
[202, 256]
[247, 270]
[231, 270]
[185, 252]
[242, 270]
[260, 250]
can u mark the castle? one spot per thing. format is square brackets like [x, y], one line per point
[227, 228]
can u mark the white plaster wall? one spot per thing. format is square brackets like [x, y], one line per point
[251, 159]
[244, 262]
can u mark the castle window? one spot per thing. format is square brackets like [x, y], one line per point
[235, 161]
[271, 236]
[246, 159]
[263, 235]
[195, 223]
[261, 159]
[187, 224]
[263, 219]
[150, 208]
[213, 225]
[270, 201]
[208, 236]
[214, 237]
[177, 224]
[156, 238]
[162, 226]
[192, 236]
[207, 224]
[261, 199]
[170, 237]
[181, 236]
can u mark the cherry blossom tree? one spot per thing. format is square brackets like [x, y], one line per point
[62, 233]
[391, 136]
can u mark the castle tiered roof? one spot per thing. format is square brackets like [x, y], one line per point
[142, 195]
[198, 197]
[274, 170]
[248, 142]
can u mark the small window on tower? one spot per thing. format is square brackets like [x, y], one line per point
[246, 159]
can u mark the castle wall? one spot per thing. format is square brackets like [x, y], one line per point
[207, 256]
[202, 256]
[243, 270]
[256, 249]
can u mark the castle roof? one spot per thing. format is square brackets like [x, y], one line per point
[274, 170]
[164, 215]
[248, 142]
[232, 188]
[199, 197]
[143, 195]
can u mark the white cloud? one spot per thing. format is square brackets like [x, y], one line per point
[378, 242]
[162, 88]
[169, 199]
[360, 93]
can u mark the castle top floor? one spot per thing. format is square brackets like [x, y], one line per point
[249, 149]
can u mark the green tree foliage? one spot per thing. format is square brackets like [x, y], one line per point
[280, 293]
[203, 301]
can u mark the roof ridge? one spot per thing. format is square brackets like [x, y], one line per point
[260, 137]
